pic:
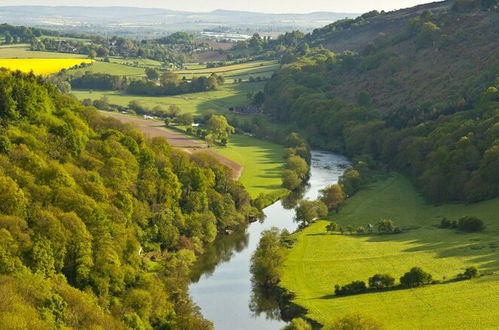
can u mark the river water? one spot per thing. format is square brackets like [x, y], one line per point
[221, 284]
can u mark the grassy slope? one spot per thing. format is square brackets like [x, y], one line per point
[319, 261]
[197, 103]
[262, 161]
[113, 69]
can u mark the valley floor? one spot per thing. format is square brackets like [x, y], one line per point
[319, 260]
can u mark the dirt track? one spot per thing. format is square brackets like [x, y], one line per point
[152, 128]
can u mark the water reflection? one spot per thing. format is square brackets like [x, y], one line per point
[221, 280]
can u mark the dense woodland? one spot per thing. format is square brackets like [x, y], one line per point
[445, 133]
[98, 225]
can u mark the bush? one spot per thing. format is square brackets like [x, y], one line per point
[381, 281]
[354, 321]
[355, 287]
[470, 224]
[415, 277]
[385, 226]
[469, 273]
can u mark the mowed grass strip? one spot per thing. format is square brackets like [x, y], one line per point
[41, 66]
[262, 162]
[318, 261]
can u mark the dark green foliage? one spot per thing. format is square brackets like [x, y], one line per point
[441, 134]
[415, 277]
[381, 281]
[385, 226]
[355, 287]
[470, 224]
[469, 273]
[5, 145]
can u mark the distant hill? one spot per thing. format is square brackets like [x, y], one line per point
[429, 53]
[139, 22]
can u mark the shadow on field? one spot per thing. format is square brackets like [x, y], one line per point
[479, 249]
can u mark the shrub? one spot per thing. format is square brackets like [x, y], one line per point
[385, 226]
[332, 227]
[470, 224]
[469, 273]
[381, 281]
[353, 288]
[445, 223]
[354, 321]
[360, 230]
[415, 277]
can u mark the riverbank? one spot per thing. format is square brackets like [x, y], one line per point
[222, 285]
[318, 261]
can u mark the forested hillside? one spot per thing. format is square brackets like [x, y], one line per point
[422, 100]
[98, 225]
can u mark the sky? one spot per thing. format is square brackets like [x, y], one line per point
[268, 6]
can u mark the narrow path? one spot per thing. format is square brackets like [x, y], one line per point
[153, 128]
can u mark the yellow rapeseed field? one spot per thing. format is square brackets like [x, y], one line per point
[42, 66]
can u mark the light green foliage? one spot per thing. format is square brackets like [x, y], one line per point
[85, 202]
[219, 128]
[309, 211]
[317, 262]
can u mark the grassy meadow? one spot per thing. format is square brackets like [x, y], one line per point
[42, 66]
[262, 161]
[111, 68]
[318, 261]
[22, 51]
[195, 103]
[232, 72]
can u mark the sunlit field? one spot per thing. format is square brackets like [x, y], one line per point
[42, 66]
[319, 261]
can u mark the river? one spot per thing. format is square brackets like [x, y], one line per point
[221, 284]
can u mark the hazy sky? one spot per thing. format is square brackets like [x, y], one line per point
[269, 6]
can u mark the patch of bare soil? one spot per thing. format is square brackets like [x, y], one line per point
[153, 128]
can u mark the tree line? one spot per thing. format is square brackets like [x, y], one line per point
[156, 84]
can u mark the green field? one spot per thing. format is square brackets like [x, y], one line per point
[22, 51]
[196, 103]
[319, 261]
[112, 69]
[243, 71]
[262, 161]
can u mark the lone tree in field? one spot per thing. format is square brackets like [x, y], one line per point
[332, 227]
[173, 111]
[152, 74]
[415, 277]
[308, 211]
[333, 196]
[219, 128]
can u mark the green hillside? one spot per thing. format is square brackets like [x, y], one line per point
[319, 261]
